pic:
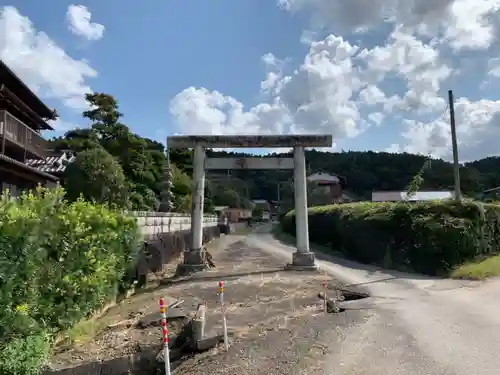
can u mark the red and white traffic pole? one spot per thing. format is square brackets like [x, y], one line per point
[325, 307]
[224, 321]
[164, 330]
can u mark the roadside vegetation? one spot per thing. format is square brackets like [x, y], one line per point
[436, 238]
[60, 262]
[479, 269]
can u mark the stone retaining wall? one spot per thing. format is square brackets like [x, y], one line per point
[154, 223]
[166, 247]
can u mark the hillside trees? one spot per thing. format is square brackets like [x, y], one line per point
[366, 171]
[142, 161]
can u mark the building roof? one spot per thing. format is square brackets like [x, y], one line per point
[327, 178]
[260, 201]
[324, 177]
[28, 168]
[56, 163]
[220, 208]
[419, 196]
[23, 92]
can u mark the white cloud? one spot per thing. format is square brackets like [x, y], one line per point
[376, 117]
[477, 131]
[79, 20]
[461, 23]
[494, 67]
[315, 98]
[417, 63]
[394, 73]
[320, 96]
[200, 111]
[61, 125]
[45, 67]
[372, 95]
[274, 68]
[393, 148]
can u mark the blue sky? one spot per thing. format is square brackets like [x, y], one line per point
[197, 67]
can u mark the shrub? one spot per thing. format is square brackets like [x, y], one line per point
[59, 262]
[97, 176]
[25, 355]
[430, 237]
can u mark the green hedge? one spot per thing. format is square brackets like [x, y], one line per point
[430, 238]
[59, 263]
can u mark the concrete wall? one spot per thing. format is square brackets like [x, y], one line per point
[153, 223]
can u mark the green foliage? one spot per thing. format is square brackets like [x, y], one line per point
[97, 176]
[60, 262]
[431, 237]
[181, 190]
[257, 212]
[230, 198]
[417, 180]
[25, 355]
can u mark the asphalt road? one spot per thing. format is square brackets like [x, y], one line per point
[419, 325]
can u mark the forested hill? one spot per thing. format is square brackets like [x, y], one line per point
[365, 171]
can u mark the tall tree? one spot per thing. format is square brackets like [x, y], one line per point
[141, 158]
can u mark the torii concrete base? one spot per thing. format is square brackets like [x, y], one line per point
[194, 261]
[302, 261]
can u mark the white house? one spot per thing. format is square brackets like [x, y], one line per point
[419, 196]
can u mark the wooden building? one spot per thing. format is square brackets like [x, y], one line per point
[326, 188]
[22, 118]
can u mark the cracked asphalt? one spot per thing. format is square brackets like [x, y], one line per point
[417, 325]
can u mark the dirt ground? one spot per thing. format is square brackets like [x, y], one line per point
[275, 319]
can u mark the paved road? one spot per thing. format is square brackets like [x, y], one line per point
[419, 325]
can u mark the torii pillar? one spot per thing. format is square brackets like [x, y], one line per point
[194, 257]
[303, 258]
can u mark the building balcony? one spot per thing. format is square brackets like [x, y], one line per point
[18, 139]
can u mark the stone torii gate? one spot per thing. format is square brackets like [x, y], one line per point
[303, 258]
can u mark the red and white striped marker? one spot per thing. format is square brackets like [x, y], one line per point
[224, 322]
[164, 330]
[325, 308]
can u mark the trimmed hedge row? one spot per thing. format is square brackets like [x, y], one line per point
[59, 263]
[430, 237]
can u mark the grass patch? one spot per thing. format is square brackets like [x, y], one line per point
[84, 331]
[479, 270]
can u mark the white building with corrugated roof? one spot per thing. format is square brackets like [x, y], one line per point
[419, 196]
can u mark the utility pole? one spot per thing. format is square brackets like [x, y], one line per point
[456, 167]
